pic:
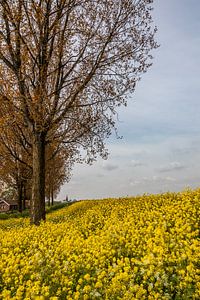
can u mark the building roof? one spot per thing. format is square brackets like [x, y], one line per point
[9, 202]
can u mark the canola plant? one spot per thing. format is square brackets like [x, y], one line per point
[146, 247]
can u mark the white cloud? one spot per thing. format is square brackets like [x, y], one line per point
[136, 163]
[161, 125]
[135, 182]
[109, 166]
[171, 179]
[100, 175]
[173, 166]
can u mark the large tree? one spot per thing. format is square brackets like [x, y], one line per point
[65, 65]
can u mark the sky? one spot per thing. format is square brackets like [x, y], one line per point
[160, 149]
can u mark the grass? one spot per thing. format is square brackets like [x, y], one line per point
[26, 213]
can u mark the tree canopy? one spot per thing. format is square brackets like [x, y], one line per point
[65, 66]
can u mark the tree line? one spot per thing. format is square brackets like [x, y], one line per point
[65, 67]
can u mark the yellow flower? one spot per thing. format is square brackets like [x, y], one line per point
[87, 277]
[107, 249]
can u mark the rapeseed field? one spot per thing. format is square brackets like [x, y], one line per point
[145, 247]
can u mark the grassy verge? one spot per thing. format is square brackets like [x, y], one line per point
[26, 213]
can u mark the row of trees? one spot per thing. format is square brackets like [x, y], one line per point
[65, 66]
[16, 166]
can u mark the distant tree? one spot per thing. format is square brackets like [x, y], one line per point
[65, 66]
[15, 151]
[15, 160]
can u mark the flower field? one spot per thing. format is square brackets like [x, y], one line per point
[145, 247]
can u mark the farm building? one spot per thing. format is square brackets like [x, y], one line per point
[7, 205]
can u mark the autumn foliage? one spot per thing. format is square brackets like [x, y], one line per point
[65, 66]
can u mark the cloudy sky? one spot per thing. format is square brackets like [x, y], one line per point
[160, 149]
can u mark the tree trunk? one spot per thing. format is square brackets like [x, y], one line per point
[24, 197]
[49, 198]
[38, 179]
[19, 195]
[52, 197]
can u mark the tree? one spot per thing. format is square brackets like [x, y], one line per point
[15, 151]
[15, 161]
[15, 155]
[65, 67]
